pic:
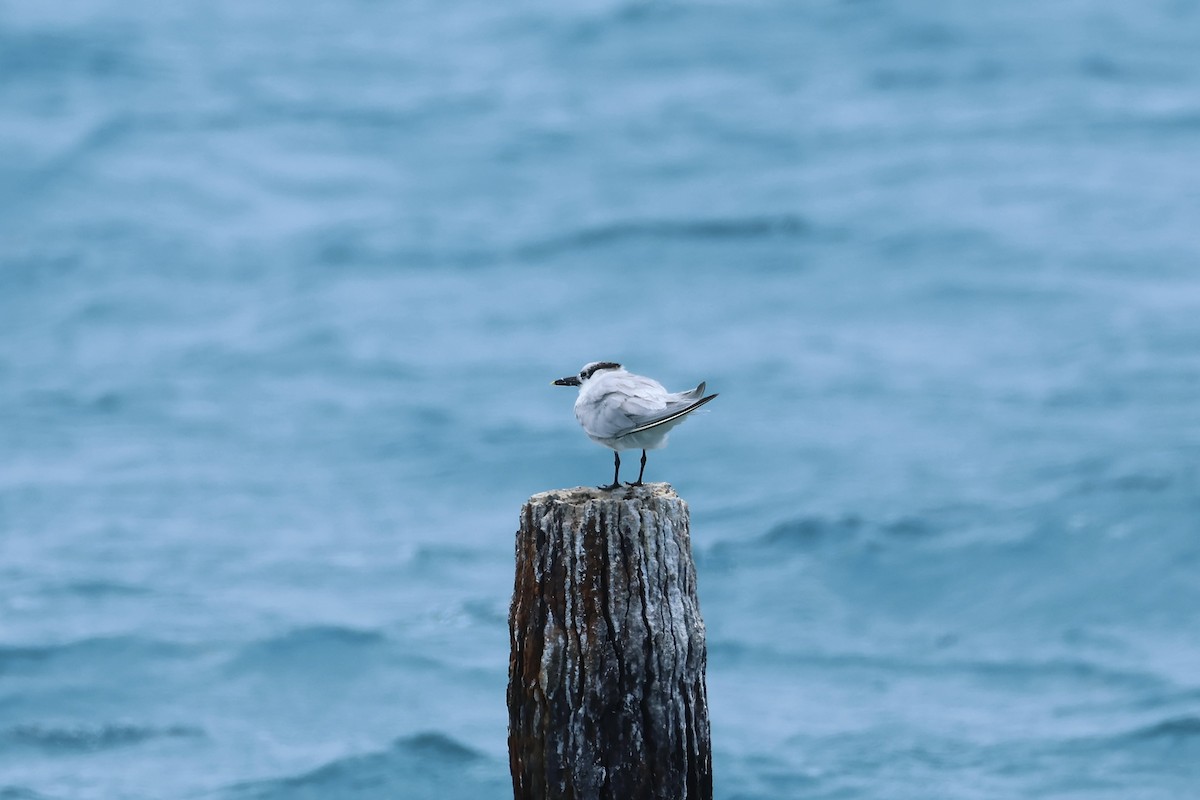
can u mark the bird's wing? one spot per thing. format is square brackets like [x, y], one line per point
[636, 395]
[618, 402]
[673, 413]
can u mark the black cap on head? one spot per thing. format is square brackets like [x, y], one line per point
[591, 369]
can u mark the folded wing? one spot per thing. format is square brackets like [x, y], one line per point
[674, 412]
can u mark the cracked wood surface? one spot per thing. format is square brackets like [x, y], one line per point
[606, 693]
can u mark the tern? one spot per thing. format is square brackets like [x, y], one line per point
[624, 411]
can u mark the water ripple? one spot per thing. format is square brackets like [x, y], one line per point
[1174, 729]
[56, 739]
[430, 764]
[780, 226]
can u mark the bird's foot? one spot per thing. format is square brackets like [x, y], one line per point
[610, 488]
[639, 483]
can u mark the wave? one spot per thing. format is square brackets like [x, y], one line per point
[96, 589]
[1170, 735]
[809, 530]
[807, 533]
[437, 745]
[1173, 729]
[45, 55]
[427, 556]
[316, 644]
[780, 226]
[429, 764]
[78, 400]
[312, 652]
[16, 658]
[727, 654]
[90, 738]
[338, 246]
[1128, 483]
[20, 793]
[123, 649]
[298, 640]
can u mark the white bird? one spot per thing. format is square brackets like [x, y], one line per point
[626, 412]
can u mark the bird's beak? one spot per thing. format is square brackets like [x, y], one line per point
[573, 380]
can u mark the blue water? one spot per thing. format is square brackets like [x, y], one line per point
[283, 286]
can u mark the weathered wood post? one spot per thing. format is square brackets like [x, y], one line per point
[606, 696]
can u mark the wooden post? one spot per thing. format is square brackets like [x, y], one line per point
[606, 696]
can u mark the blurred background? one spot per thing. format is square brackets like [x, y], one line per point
[283, 287]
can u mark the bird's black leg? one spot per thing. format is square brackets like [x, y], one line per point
[640, 471]
[616, 484]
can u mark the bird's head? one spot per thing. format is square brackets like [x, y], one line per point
[586, 373]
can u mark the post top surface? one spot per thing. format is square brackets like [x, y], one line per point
[584, 494]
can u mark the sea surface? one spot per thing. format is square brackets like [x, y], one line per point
[283, 287]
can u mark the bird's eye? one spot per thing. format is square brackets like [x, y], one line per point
[582, 375]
